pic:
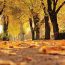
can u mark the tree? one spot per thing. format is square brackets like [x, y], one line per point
[5, 22]
[5, 28]
[16, 12]
[46, 19]
[36, 25]
[36, 29]
[34, 20]
[53, 15]
[22, 33]
[32, 29]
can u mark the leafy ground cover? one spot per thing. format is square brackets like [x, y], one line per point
[39, 52]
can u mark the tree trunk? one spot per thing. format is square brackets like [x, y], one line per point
[37, 30]
[46, 18]
[32, 30]
[55, 26]
[5, 28]
[47, 28]
[37, 33]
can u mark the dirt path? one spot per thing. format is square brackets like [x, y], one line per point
[29, 55]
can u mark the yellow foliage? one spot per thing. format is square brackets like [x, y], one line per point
[18, 11]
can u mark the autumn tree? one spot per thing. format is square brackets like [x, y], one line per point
[16, 13]
[5, 28]
[34, 20]
[46, 19]
[36, 29]
[53, 11]
[36, 26]
[5, 21]
[22, 33]
[32, 29]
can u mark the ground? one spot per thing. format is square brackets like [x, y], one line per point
[32, 52]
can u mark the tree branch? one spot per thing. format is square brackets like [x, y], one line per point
[56, 2]
[54, 5]
[1, 11]
[3, 7]
[49, 3]
[60, 7]
[43, 6]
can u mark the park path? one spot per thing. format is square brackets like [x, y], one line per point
[32, 53]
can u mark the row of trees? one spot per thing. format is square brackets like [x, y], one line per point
[50, 12]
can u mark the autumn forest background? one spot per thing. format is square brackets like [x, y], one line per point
[32, 19]
[32, 32]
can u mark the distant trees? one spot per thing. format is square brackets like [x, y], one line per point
[36, 30]
[51, 12]
[22, 33]
[16, 12]
[33, 21]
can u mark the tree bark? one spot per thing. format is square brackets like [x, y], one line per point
[37, 33]
[55, 26]
[32, 30]
[36, 29]
[46, 20]
[5, 28]
[53, 15]
[47, 28]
